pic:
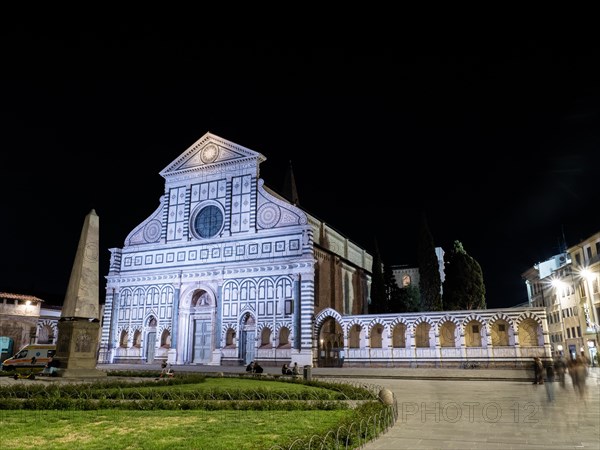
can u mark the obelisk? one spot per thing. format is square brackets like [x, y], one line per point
[79, 323]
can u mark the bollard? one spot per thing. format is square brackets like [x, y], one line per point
[308, 373]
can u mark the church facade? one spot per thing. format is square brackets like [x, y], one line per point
[226, 271]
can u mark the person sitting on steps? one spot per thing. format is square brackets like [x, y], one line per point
[166, 370]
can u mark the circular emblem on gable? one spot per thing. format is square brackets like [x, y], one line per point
[268, 215]
[152, 231]
[209, 153]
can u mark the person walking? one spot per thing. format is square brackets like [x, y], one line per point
[581, 371]
[538, 370]
[573, 373]
[560, 370]
[550, 373]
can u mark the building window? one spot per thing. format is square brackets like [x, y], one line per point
[289, 305]
[208, 222]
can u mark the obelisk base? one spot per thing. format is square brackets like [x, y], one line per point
[76, 349]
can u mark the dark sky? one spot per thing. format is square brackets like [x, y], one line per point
[497, 140]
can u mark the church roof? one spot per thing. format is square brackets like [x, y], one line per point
[209, 153]
[20, 297]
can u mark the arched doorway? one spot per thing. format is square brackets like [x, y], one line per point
[331, 344]
[150, 339]
[201, 315]
[248, 338]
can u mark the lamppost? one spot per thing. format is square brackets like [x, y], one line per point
[559, 347]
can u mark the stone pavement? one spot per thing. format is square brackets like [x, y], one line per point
[356, 372]
[493, 414]
[463, 408]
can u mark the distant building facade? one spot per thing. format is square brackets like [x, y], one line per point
[407, 276]
[567, 286]
[25, 320]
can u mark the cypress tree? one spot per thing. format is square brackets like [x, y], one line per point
[378, 303]
[410, 299]
[463, 286]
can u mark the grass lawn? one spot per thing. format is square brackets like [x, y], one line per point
[191, 413]
[116, 429]
[232, 384]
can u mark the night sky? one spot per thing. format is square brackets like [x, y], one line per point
[496, 140]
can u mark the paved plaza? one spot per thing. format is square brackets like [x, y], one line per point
[466, 414]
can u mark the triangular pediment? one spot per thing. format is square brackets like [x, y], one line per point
[208, 153]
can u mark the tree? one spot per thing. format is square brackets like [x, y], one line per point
[392, 291]
[378, 303]
[410, 299]
[463, 287]
[430, 284]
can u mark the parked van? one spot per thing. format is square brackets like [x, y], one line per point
[32, 356]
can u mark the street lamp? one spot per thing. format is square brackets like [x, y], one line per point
[559, 347]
